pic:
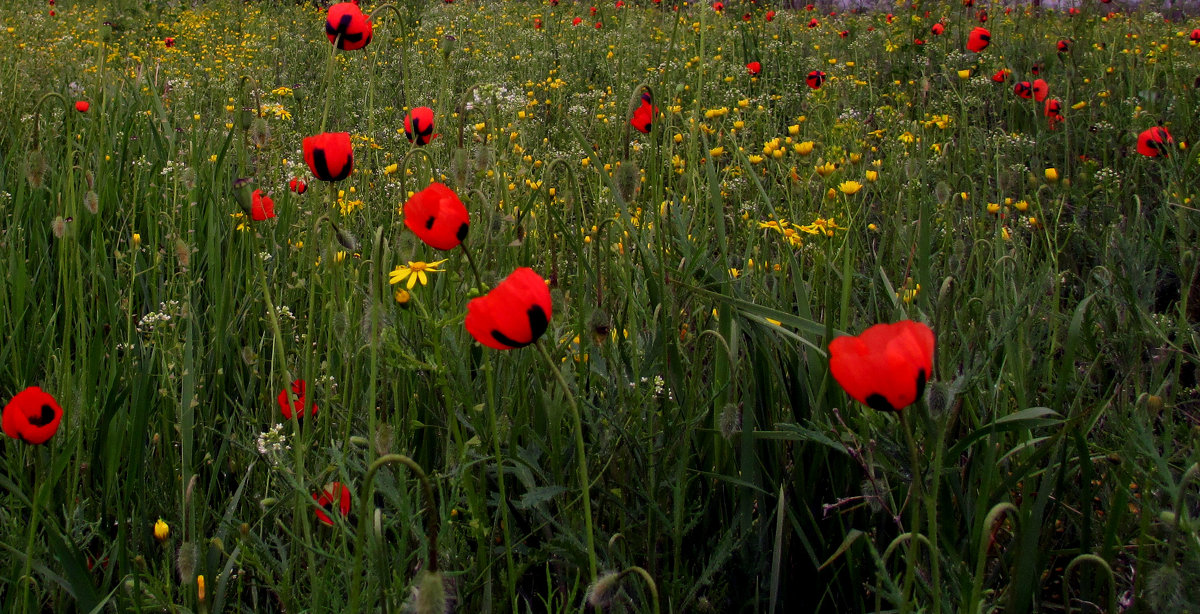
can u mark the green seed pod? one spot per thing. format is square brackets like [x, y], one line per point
[243, 194]
[260, 133]
[602, 593]
[346, 238]
[36, 168]
[459, 169]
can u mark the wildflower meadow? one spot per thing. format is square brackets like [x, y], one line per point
[635, 306]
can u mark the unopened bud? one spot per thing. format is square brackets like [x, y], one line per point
[601, 594]
[431, 593]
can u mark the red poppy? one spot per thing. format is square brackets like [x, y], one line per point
[844, 33]
[297, 185]
[1072, 11]
[261, 207]
[1000, 75]
[918, 41]
[1064, 46]
[815, 79]
[812, 23]
[979, 39]
[82, 106]
[937, 29]
[32, 416]
[301, 404]
[330, 155]
[887, 366]
[437, 217]
[334, 492]
[593, 11]
[718, 6]
[514, 314]
[644, 115]
[1195, 36]
[1041, 89]
[1036, 69]
[599, 25]
[418, 126]
[348, 21]
[52, 13]
[809, 7]
[890, 17]
[620, 4]
[1153, 142]
[169, 41]
[553, 2]
[576, 21]
[746, 17]
[968, 3]
[754, 67]
[1053, 111]
[770, 15]
[537, 24]
[1023, 89]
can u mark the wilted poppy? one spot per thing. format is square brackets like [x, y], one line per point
[1041, 89]
[347, 26]
[937, 29]
[32, 416]
[754, 67]
[1023, 89]
[297, 185]
[437, 217]
[334, 492]
[815, 79]
[329, 155]
[301, 401]
[1153, 142]
[887, 366]
[82, 106]
[979, 39]
[514, 314]
[1000, 76]
[418, 126]
[261, 207]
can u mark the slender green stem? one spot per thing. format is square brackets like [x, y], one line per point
[580, 455]
[474, 267]
[934, 562]
[635, 570]
[489, 375]
[915, 500]
[328, 80]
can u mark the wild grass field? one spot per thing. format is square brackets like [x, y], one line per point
[532, 307]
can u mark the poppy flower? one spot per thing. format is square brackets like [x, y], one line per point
[348, 21]
[82, 106]
[918, 42]
[809, 7]
[844, 33]
[1000, 76]
[979, 39]
[747, 17]
[599, 25]
[812, 23]
[437, 217]
[261, 207]
[537, 24]
[334, 492]
[1153, 143]
[770, 15]
[620, 4]
[576, 21]
[754, 67]
[1072, 11]
[718, 6]
[1053, 112]
[815, 79]
[514, 314]
[937, 29]
[1064, 46]
[297, 185]
[887, 366]
[169, 41]
[1036, 69]
[301, 404]
[1041, 89]
[32, 416]
[1023, 89]
[418, 126]
[330, 155]
[1195, 36]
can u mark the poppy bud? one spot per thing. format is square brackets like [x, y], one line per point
[431, 593]
[514, 314]
[330, 155]
[346, 238]
[348, 27]
[32, 416]
[627, 180]
[242, 194]
[91, 201]
[437, 217]
[887, 366]
[35, 168]
[601, 594]
[459, 168]
[418, 126]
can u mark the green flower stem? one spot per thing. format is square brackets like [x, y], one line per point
[647, 579]
[581, 457]
[474, 267]
[939, 433]
[489, 375]
[328, 80]
[432, 520]
[915, 501]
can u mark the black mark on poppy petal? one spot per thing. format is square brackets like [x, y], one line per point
[321, 166]
[504, 340]
[538, 323]
[920, 383]
[462, 232]
[879, 403]
[429, 222]
[45, 418]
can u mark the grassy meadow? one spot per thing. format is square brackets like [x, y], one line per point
[675, 441]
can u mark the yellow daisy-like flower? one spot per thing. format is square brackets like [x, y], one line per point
[414, 272]
[850, 187]
[825, 169]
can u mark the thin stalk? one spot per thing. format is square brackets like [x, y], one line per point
[489, 375]
[915, 500]
[580, 455]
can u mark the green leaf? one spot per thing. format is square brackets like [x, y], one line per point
[1030, 418]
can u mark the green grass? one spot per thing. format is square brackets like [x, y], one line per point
[1052, 463]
